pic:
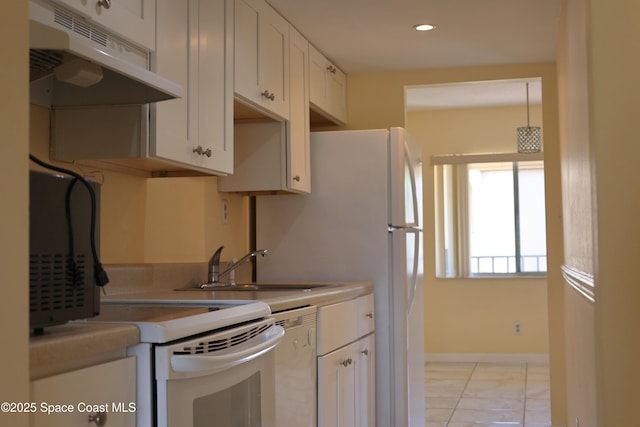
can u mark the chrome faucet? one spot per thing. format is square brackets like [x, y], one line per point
[214, 267]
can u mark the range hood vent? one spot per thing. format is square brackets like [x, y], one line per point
[73, 63]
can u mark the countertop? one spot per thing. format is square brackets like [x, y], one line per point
[278, 300]
[76, 345]
[79, 344]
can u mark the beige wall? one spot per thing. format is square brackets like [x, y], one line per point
[14, 199]
[614, 102]
[476, 315]
[598, 70]
[158, 220]
[377, 101]
[578, 219]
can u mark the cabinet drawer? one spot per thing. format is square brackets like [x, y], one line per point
[342, 323]
[110, 388]
[366, 319]
[337, 325]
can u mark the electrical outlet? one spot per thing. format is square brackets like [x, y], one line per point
[225, 211]
[517, 328]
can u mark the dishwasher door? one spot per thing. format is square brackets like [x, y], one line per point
[296, 395]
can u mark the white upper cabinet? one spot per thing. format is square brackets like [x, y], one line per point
[328, 87]
[299, 139]
[195, 132]
[261, 58]
[194, 49]
[274, 156]
[134, 20]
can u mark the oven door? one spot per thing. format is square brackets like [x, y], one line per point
[225, 379]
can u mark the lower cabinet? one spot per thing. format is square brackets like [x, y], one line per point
[346, 385]
[346, 365]
[366, 393]
[99, 395]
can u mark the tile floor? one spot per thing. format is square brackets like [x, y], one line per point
[487, 395]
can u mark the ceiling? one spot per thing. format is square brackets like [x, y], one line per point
[367, 36]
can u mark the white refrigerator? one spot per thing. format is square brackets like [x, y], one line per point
[362, 221]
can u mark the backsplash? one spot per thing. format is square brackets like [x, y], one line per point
[133, 278]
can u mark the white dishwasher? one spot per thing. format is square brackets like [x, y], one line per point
[296, 395]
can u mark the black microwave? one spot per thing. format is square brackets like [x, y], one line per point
[63, 244]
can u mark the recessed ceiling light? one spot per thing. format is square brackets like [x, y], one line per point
[424, 27]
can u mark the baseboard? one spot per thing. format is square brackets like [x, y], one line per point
[487, 357]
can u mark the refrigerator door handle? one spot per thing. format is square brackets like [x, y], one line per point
[412, 275]
[413, 285]
[412, 178]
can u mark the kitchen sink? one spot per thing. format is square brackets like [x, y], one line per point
[253, 287]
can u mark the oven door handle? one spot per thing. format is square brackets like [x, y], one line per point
[225, 359]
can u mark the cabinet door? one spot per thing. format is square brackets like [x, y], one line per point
[193, 49]
[337, 93]
[246, 45]
[366, 384]
[328, 87]
[109, 388]
[299, 167]
[337, 379]
[261, 57]
[134, 20]
[274, 59]
[317, 79]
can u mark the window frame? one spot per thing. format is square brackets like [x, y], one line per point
[456, 236]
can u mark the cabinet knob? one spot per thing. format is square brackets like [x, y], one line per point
[201, 151]
[99, 418]
[268, 95]
[369, 315]
[346, 362]
[104, 3]
[296, 178]
[365, 352]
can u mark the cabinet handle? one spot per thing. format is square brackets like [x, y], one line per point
[201, 151]
[365, 352]
[99, 418]
[369, 315]
[270, 96]
[346, 362]
[296, 178]
[332, 69]
[104, 3]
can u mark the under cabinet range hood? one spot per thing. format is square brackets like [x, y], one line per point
[73, 63]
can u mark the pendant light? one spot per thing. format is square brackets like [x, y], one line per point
[529, 137]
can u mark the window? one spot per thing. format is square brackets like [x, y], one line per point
[490, 219]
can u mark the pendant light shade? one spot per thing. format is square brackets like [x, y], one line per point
[529, 137]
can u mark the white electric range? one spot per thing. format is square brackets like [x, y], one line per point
[201, 362]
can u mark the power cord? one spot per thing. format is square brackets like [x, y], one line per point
[99, 273]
